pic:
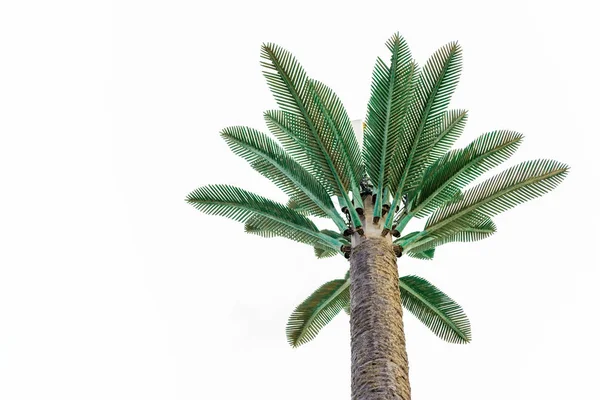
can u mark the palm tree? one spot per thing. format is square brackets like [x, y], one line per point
[405, 169]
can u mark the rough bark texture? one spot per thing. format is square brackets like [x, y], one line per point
[379, 361]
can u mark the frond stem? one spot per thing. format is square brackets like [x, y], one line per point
[403, 220]
[406, 242]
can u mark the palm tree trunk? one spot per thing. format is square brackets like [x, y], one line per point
[379, 361]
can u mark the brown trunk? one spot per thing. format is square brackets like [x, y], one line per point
[379, 361]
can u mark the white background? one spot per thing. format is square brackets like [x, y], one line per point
[112, 287]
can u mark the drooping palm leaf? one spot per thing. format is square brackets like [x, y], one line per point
[272, 161]
[442, 315]
[390, 97]
[436, 84]
[456, 169]
[317, 311]
[295, 94]
[522, 182]
[265, 215]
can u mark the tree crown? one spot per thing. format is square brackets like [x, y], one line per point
[406, 162]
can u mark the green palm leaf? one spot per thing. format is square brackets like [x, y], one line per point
[448, 131]
[336, 120]
[266, 216]
[291, 88]
[478, 231]
[390, 97]
[442, 315]
[437, 82]
[514, 186]
[322, 248]
[456, 169]
[317, 311]
[436, 85]
[268, 228]
[295, 94]
[270, 160]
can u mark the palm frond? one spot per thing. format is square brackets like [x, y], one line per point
[336, 119]
[437, 82]
[442, 315]
[266, 216]
[436, 85]
[295, 94]
[390, 98]
[478, 231]
[265, 156]
[317, 311]
[286, 78]
[448, 131]
[522, 182]
[291, 131]
[456, 169]
[267, 228]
